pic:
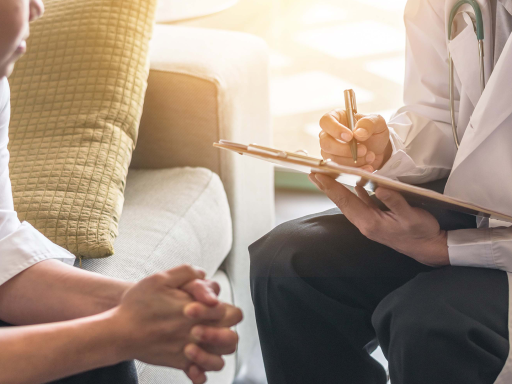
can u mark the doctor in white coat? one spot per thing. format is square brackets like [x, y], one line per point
[401, 276]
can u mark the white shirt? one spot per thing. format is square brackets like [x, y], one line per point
[21, 245]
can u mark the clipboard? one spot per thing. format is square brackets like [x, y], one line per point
[352, 177]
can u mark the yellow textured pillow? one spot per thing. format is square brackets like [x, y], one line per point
[77, 100]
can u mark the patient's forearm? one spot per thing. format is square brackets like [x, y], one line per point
[42, 353]
[52, 291]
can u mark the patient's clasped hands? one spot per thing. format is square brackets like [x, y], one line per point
[174, 319]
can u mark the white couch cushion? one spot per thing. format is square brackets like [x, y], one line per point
[170, 217]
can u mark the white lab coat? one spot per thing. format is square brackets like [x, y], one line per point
[424, 150]
[21, 245]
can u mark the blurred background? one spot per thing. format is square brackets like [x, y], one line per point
[318, 48]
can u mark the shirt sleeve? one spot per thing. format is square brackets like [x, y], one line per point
[21, 245]
[483, 247]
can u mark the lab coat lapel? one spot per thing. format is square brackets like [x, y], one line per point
[469, 76]
[507, 4]
[493, 108]
[464, 51]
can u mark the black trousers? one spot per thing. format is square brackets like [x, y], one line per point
[123, 373]
[325, 296]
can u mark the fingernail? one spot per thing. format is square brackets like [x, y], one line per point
[191, 352]
[191, 312]
[384, 194]
[312, 178]
[361, 150]
[370, 157]
[362, 133]
[346, 137]
[318, 180]
[198, 333]
[201, 271]
[194, 371]
[213, 296]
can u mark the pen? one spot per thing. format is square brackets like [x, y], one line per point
[351, 110]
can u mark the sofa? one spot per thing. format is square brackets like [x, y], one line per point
[187, 202]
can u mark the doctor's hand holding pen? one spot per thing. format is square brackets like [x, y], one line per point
[371, 133]
[411, 231]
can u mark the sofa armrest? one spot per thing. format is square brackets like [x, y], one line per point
[205, 85]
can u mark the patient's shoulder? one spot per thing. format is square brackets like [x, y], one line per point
[5, 93]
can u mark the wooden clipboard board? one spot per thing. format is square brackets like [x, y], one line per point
[353, 176]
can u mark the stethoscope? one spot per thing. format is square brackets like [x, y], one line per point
[478, 24]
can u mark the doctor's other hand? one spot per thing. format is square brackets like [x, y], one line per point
[411, 231]
[372, 135]
[155, 324]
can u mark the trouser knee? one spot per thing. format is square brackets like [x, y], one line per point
[447, 326]
[271, 256]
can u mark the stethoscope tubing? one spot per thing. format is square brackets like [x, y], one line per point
[479, 26]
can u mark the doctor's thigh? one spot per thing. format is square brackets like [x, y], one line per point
[324, 295]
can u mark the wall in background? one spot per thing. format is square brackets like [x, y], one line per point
[318, 48]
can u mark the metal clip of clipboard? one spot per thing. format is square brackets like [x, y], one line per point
[305, 160]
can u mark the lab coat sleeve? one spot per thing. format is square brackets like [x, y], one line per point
[21, 245]
[420, 132]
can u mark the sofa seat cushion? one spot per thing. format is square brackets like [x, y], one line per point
[170, 217]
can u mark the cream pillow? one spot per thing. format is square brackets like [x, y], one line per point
[77, 99]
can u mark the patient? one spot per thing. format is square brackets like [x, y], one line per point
[91, 326]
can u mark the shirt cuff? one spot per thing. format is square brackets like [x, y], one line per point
[400, 163]
[25, 247]
[471, 248]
